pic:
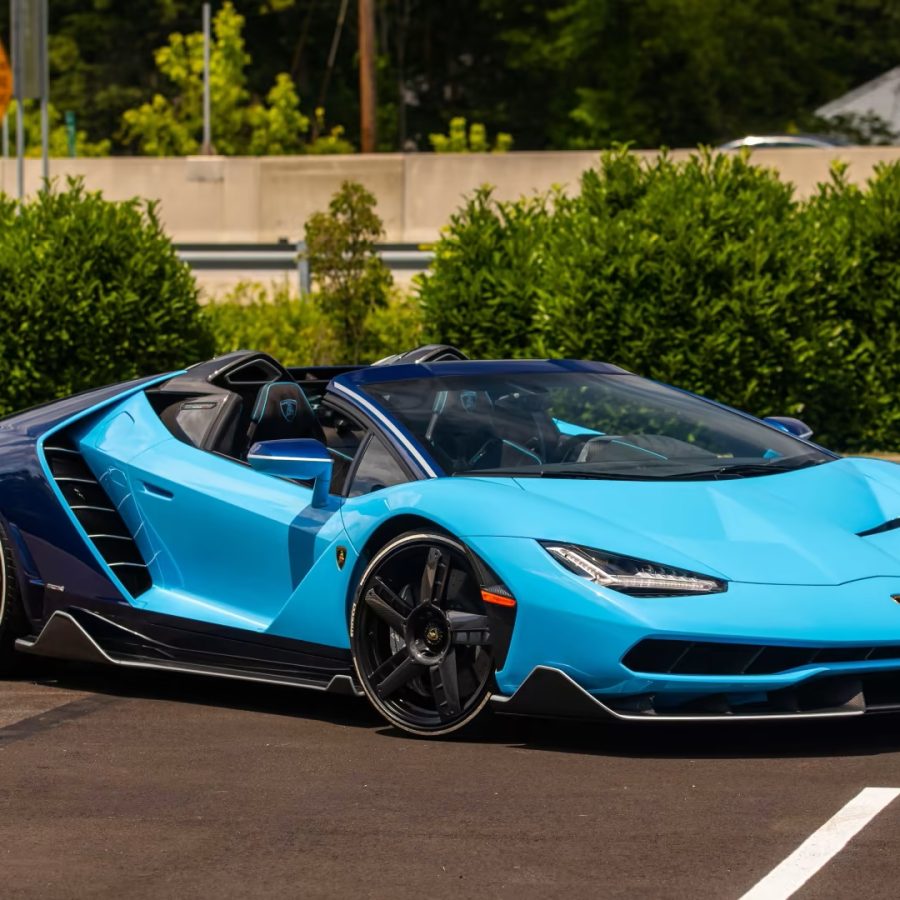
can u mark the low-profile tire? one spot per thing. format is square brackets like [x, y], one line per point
[419, 635]
[13, 622]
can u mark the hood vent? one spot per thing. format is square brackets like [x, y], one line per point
[97, 514]
[890, 525]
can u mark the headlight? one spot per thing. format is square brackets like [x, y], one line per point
[637, 577]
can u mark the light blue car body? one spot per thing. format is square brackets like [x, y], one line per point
[233, 546]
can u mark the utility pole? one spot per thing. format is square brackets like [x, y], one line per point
[207, 147]
[29, 21]
[45, 90]
[367, 94]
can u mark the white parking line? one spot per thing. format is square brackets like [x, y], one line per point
[822, 845]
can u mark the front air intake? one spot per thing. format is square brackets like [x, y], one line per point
[659, 656]
[97, 514]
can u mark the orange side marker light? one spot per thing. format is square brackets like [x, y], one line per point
[497, 599]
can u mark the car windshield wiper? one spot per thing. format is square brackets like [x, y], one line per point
[647, 472]
[580, 472]
[747, 470]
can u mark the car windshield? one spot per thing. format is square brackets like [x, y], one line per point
[584, 425]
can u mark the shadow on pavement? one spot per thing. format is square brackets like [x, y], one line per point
[863, 736]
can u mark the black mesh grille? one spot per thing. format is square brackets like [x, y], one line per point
[97, 514]
[669, 657]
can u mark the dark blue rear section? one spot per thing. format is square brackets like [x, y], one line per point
[55, 566]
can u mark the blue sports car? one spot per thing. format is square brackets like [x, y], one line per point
[544, 537]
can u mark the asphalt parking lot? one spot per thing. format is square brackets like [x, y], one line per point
[139, 785]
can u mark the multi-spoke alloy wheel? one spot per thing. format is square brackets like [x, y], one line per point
[420, 639]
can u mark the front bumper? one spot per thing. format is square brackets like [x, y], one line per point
[549, 692]
[571, 638]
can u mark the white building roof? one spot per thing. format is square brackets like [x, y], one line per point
[881, 96]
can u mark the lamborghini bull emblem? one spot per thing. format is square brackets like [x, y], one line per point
[289, 410]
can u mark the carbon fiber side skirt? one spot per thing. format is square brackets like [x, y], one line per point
[85, 637]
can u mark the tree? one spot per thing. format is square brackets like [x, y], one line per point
[172, 127]
[59, 135]
[353, 280]
[555, 73]
[682, 72]
[101, 60]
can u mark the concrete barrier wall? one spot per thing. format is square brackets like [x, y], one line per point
[263, 199]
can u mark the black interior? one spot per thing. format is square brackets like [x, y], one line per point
[225, 405]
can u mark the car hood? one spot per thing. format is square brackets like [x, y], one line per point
[791, 528]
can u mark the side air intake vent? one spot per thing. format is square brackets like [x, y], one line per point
[91, 505]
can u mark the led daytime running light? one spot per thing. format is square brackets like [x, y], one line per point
[629, 575]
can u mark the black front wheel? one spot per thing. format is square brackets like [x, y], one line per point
[419, 635]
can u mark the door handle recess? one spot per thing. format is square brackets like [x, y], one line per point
[157, 491]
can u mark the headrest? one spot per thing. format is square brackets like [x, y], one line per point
[282, 398]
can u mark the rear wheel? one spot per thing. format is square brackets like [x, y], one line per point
[13, 623]
[419, 636]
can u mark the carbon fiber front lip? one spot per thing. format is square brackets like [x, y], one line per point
[550, 693]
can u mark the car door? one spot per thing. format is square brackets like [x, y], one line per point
[230, 545]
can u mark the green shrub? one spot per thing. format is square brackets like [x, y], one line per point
[707, 274]
[392, 328]
[299, 330]
[475, 140]
[91, 292]
[295, 330]
[352, 279]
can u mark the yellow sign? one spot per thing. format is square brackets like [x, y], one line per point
[6, 82]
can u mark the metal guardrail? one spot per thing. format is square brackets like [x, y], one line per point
[285, 257]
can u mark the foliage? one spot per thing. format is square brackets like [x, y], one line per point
[864, 129]
[392, 328]
[276, 128]
[298, 331]
[352, 279]
[329, 141]
[476, 141]
[707, 274]
[557, 73]
[683, 72]
[58, 138]
[91, 292]
[241, 126]
[275, 320]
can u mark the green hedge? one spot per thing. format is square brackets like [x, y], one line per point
[707, 273]
[301, 331]
[91, 292]
[273, 320]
